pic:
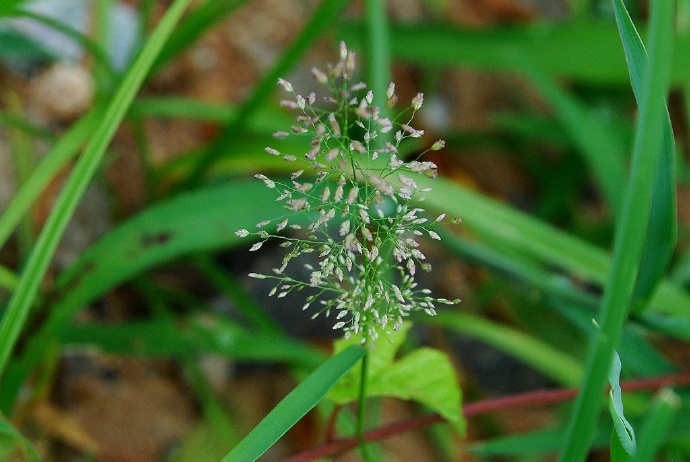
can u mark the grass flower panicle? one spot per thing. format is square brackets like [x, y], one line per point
[357, 203]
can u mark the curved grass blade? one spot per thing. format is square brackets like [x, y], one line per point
[583, 51]
[62, 151]
[294, 406]
[13, 445]
[663, 228]
[542, 357]
[83, 40]
[18, 309]
[603, 153]
[657, 425]
[630, 236]
[494, 221]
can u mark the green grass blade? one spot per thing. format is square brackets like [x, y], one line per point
[92, 47]
[18, 309]
[8, 279]
[497, 222]
[18, 47]
[378, 47]
[322, 18]
[630, 234]
[14, 446]
[542, 357]
[603, 153]
[62, 151]
[583, 51]
[663, 228]
[7, 6]
[24, 125]
[294, 406]
[656, 425]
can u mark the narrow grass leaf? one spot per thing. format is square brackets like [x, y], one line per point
[602, 152]
[294, 406]
[631, 233]
[663, 228]
[533, 352]
[584, 51]
[16, 46]
[657, 425]
[494, 221]
[18, 309]
[61, 152]
[84, 41]
[13, 445]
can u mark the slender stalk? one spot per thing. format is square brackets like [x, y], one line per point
[361, 411]
[379, 58]
[630, 236]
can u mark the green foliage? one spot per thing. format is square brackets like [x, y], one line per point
[13, 446]
[425, 376]
[545, 289]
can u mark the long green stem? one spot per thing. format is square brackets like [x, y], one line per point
[630, 235]
[361, 411]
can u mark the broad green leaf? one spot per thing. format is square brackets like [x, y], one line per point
[424, 375]
[623, 431]
[295, 405]
[13, 446]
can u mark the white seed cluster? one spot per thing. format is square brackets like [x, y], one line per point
[357, 206]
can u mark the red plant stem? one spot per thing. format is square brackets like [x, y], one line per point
[533, 398]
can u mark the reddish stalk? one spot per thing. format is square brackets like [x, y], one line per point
[533, 398]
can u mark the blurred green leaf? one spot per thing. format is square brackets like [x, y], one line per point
[17, 46]
[13, 446]
[584, 51]
[657, 424]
